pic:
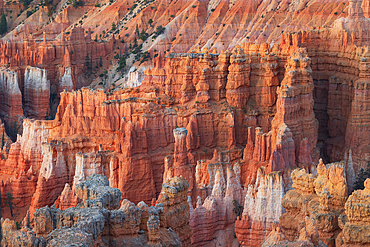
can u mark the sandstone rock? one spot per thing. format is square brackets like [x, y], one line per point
[316, 198]
[89, 224]
[262, 207]
[176, 208]
[67, 198]
[215, 214]
[333, 181]
[95, 191]
[355, 227]
[36, 93]
[11, 100]
[11, 236]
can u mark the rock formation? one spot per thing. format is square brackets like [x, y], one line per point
[316, 213]
[218, 190]
[11, 111]
[354, 223]
[98, 220]
[308, 236]
[36, 93]
[265, 108]
[173, 199]
[262, 207]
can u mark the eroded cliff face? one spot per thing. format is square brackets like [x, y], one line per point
[36, 96]
[11, 111]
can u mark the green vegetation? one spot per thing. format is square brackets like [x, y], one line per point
[137, 32]
[3, 139]
[76, 3]
[237, 208]
[28, 220]
[3, 24]
[361, 177]
[88, 64]
[104, 74]
[9, 201]
[159, 30]
[26, 2]
[143, 35]
[121, 63]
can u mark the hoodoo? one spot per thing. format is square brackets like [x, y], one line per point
[178, 123]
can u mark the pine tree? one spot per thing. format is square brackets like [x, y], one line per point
[361, 177]
[114, 26]
[10, 202]
[88, 64]
[101, 62]
[1, 236]
[28, 220]
[96, 37]
[137, 32]
[143, 35]
[3, 24]
[3, 139]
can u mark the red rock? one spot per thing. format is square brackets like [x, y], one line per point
[238, 78]
[67, 198]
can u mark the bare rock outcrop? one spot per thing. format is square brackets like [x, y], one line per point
[36, 93]
[262, 207]
[355, 223]
[98, 220]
